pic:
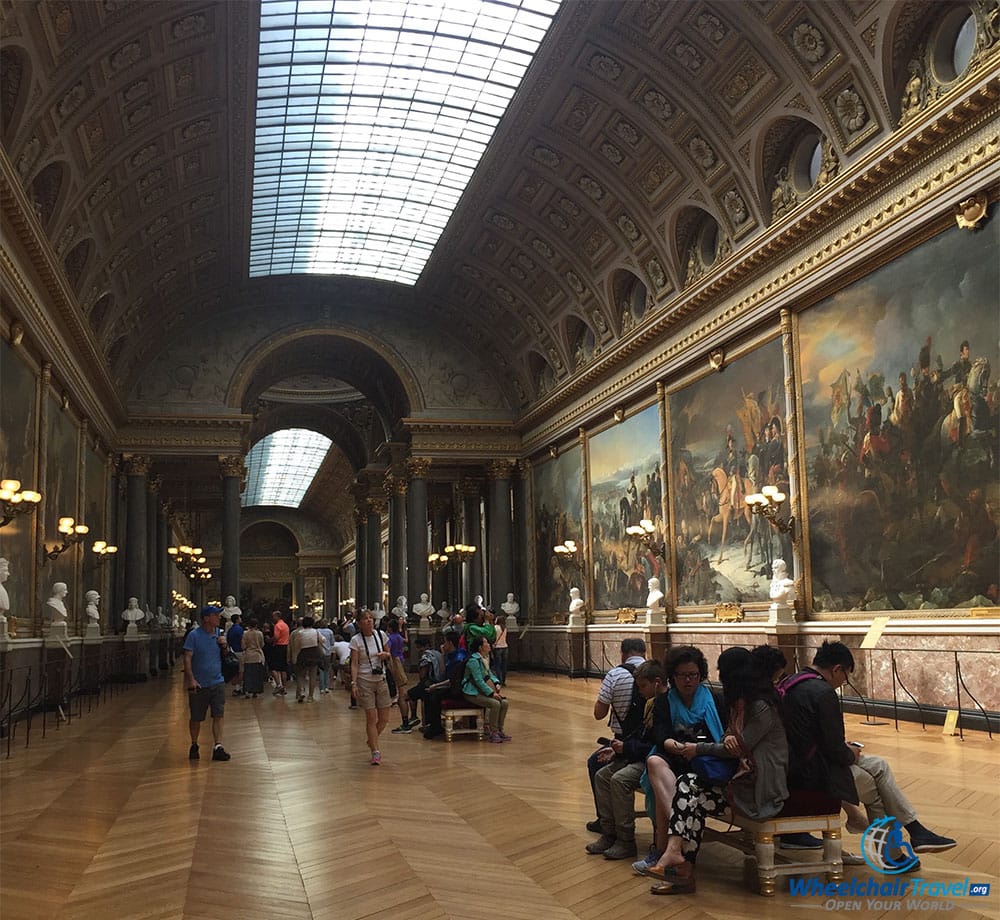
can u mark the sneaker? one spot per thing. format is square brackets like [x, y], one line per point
[376, 758]
[496, 738]
[505, 736]
[928, 842]
[432, 731]
[799, 842]
[851, 859]
[651, 859]
[413, 723]
[300, 699]
[220, 753]
[193, 753]
[601, 844]
[623, 849]
[404, 729]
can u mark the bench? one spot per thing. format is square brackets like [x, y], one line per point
[450, 716]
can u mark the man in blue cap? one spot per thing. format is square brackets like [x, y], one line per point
[203, 648]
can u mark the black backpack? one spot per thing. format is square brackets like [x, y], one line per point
[631, 721]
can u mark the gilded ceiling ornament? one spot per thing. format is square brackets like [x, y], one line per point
[735, 207]
[71, 101]
[612, 153]
[851, 111]
[658, 104]
[157, 194]
[711, 27]
[125, 57]
[808, 42]
[580, 113]
[648, 12]
[829, 163]
[196, 129]
[119, 257]
[574, 282]
[66, 237]
[502, 221]
[189, 26]
[157, 225]
[202, 201]
[558, 221]
[543, 249]
[143, 155]
[525, 261]
[702, 153]
[784, 197]
[530, 188]
[570, 207]
[151, 178]
[63, 21]
[656, 273]
[136, 91]
[627, 133]
[184, 77]
[504, 294]
[546, 157]
[915, 93]
[599, 321]
[516, 272]
[606, 67]
[688, 56]
[590, 187]
[971, 212]
[628, 227]
[595, 242]
[27, 159]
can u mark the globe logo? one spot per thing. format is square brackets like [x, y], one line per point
[884, 849]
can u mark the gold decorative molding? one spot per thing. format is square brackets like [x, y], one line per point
[377, 505]
[230, 465]
[498, 470]
[418, 467]
[971, 212]
[728, 613]
[625, 615]
[395, 485]
[137, 464]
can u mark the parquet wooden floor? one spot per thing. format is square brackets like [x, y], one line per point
[107, 818]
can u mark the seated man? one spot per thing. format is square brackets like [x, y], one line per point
[614, 697]
[616, 782]
[449, 687]
[430, 670]
[821, 759]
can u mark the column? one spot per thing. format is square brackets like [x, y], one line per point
[524, 540]
[472, 570]
[153, 484]
[499, 531]
[110, 592]
[331, 599]
[136, 469]
[439, 539]
[396, 487]
[41, 478]
[299, 592]
[360, 548]
[233, 471]
[373, 551]
[416, 530]
[163, 564]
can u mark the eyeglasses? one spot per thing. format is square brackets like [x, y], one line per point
[687, 675]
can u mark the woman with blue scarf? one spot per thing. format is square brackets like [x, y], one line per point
[687, 713]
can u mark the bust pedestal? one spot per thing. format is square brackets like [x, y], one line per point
[93, 630]
[132, 632]
[780, 614]
[656, 616]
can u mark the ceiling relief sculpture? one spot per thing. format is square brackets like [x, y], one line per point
[655, 138]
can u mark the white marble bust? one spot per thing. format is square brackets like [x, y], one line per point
[55, 606]
[4, 598]
[654, 600]
[511, 609]
[782, 589]
[401, 606]
[443, 614]
[133, 614]
[229, 608]
[577, 608]
[92, 599]
[424, 609]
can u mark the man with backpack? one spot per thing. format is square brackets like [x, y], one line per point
[618, 698]
[616, 783]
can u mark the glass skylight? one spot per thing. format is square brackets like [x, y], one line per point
[371, 117]
[282, 466]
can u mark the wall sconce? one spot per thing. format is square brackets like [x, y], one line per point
[620, 414]
[569, 553]
[553, 451]
[462, 550]
[14, 500]
[437, 561]
[717, 359]
[72, 533]
[188, 559]
[768, 502]
[103, 551]
[642, 533]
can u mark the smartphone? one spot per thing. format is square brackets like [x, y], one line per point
[856, 744]
[604, 742]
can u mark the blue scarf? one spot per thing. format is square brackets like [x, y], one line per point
[702, 709]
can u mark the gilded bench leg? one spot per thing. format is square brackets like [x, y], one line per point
[766, 875]
[832, 855]
[449, 728]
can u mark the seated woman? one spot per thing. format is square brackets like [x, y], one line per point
[755, 737]
[481, 687]
[686, 713]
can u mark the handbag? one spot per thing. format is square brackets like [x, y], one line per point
[714, 770]
[230, 665]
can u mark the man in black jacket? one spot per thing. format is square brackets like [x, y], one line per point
[616, 782]
[822, 760]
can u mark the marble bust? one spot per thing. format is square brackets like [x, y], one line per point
[654, 600]
[577, 608]
[92, 599]
[782, 590]
[511, 609]
[229, 608]
[4, 598]
[401, 606]
[133, 615]
[424, 609]
[443, 615]
[55, 606]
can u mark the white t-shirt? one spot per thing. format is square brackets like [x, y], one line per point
[616, 690]
[369, 647]
[343, 651]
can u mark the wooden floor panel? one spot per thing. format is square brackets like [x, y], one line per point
[107, 818]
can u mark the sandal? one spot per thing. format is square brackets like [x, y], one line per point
[663, 873]
[677, 886]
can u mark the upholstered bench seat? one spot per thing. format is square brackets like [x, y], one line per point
[462, 720]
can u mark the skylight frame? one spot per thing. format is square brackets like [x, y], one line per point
[372, 116]
[282, 466]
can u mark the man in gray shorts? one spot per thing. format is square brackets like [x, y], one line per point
[203, 678]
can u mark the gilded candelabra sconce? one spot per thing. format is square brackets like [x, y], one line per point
[72, 532]
[14, 500]
[768, 502]
[569, 553]
[643, 534]
[103, 550]
[463, 551]
[437, 561]
[190, 561]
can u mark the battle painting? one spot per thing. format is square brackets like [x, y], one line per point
[558, 504]
[900, 416]
[626, 486]
[728, 441]
[62, 472]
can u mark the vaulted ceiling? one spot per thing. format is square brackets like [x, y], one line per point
[651, 142]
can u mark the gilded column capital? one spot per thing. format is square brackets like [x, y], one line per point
[377, 505]
[359, 490]
[418, 467]
[137, 464]
[395, 485]
[470, 488]
[360, 516]
[154, 484]
[46, 373]
[524, 467]
[232, 465]
[500, 469]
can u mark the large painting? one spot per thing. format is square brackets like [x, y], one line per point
[728, 440]
[558, 503]
[18, 437]
[94, 516]
[62, 475]
[626, 486]
[900, 418]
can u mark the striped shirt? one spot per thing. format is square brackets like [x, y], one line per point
[616, 690]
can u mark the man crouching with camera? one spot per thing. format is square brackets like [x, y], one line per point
[369, 659]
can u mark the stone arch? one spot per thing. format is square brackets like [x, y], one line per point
[370, 366]
[629, 296]
[540, 373]
[267, 537]
[76, 262]
[326, 421]
[48, 190]
[688, 235]
[15, 65]
[580, 340]
[777, 146]
[99, 312]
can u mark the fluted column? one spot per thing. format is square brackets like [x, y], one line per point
[524, 539]
[299, 592]
[373, 551]
[416, 529]
[111, 594]
[499, 530]
[360, 548]
[233, 471]
[331, 598]
[396, 488]
[153, 484]
[472, 570]
[163, 564]
[136, 557]
[439, 539]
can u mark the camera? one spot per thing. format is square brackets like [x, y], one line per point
[376, 670]
[604, 742]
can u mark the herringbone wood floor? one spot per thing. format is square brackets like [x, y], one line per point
[107, 818]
